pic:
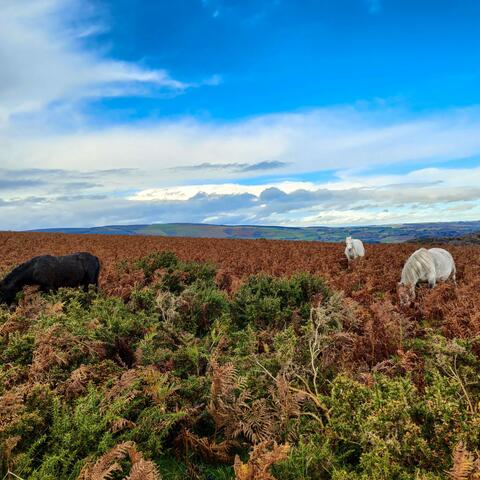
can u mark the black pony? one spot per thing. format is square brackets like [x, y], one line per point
[49, 272]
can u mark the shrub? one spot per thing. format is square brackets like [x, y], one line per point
[154, 261]
[175, 280]
[268, 301]
[182, 379]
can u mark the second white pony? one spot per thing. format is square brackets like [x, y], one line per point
[425, 265]
[354, 249]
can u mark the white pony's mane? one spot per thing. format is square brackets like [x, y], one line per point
[416, 266]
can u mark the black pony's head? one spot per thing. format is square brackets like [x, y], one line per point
[7, 295]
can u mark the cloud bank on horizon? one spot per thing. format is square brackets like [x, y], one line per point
[253, 112]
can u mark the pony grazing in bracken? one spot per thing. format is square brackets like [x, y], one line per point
[425, 266]
[354, 249]
[50, 273]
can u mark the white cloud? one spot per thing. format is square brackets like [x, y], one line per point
[415, 196]
[350, 142]
[189, 191]
[43, 59]
[325, 139]
[422, 185]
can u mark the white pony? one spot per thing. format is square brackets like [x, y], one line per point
[354, 249]
[425, 266]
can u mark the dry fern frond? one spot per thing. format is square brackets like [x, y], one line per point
[125, 386]
[167, 305]
[466, 466]
[6, 449]
[141, 381]
[121, 424]
[222, 392]
[54, 309]
[408, 360]
[31, 303]
[77, 382]
[238, 415]
[108, 464]
[256, 421]
[57, 346]
[224, 380]
[12, 404]
[12, 325]
[95, 348]
[188, 442]
[288, 403]
[143, 470]
[262, 457]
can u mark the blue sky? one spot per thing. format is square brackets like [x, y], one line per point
[287, 112]
[282, 55]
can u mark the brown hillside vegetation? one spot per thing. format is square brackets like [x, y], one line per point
[216, 359]
[371, 282]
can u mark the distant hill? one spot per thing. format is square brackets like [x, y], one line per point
[471, 239]
[371, 234]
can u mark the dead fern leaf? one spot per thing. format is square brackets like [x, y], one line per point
[466, 465]
[236, 412]
[288, 402]
[256, 421]
[6, 451]
[121, 424]
[108, 465]
[157, 385]
[125, 386]
[224, 378]
[262, 457]
[57, 346]
[10, 326]
[54, 309]
[77, 382]
[207, 449]
[12, 405]
[143, 470]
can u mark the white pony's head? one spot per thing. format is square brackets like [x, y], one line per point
[406, 294]
[348, 242]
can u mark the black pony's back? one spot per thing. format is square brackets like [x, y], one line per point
[20, 269]
[50, 273]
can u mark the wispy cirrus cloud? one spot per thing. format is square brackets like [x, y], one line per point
[333, 138]
[9, 184]
[48, 183]
[46, 173]
[234, 167]
[44, 58]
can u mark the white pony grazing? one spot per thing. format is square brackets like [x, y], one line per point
[354, 249]
[424, 266]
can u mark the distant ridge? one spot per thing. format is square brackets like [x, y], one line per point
[470, 239]
[371, 234]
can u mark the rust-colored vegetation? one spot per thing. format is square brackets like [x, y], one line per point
[246, 359]
[369, 282]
